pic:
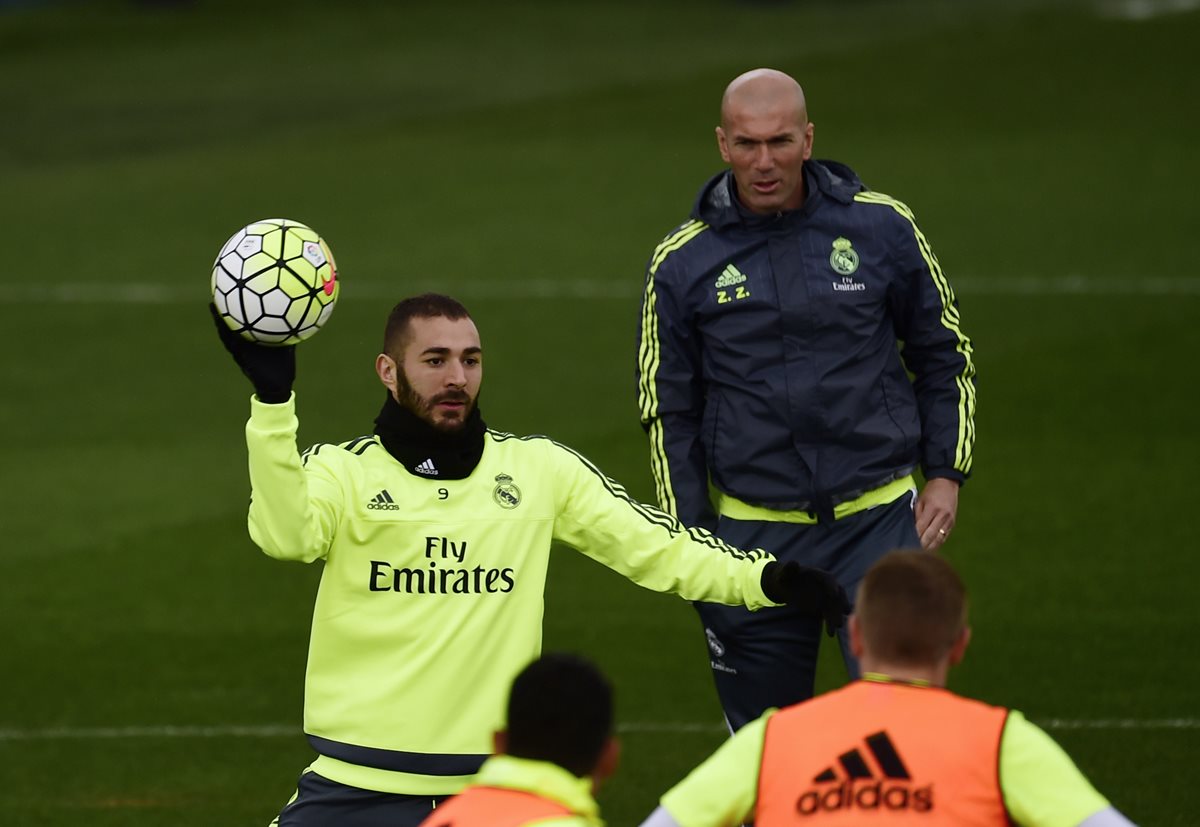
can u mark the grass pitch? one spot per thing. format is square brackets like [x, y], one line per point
[527, 157]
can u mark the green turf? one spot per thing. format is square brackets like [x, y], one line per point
[527, 157]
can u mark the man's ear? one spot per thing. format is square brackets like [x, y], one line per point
[856, 641]
[606, 764]
[722, 145]
[959, 649]
[385, 367]
[500, 741]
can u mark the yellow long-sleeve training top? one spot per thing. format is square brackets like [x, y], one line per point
[431, 597]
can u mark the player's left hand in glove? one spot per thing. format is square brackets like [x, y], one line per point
[810, 590]
[271, 370]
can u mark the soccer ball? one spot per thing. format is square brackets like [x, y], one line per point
[275, 282]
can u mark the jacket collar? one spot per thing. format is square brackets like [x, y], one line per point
[541, 778]
[423, 449]
[717, 204]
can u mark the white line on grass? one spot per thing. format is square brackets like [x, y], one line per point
[676, 728]
[105, 733]
[162, 294]
[1143, 9]
[1120, 723]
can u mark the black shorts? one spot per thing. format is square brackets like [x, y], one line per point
[319, 802]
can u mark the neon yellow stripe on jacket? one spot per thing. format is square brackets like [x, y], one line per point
[648, 356]
[660, 469]
[649, 359]
[963, 452]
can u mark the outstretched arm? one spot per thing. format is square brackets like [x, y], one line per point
[655, 550]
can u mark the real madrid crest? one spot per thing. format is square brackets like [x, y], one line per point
[843, 259]
[506, 494]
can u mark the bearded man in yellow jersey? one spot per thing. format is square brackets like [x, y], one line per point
[894, 748]
[435, 534]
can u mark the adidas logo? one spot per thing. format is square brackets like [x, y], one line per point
[730, 276]
[860, 787]
[383, 502]
[885, 754]
[427, 467]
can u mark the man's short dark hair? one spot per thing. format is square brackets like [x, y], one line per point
[911, 608]
[424, 306]
[560, 710]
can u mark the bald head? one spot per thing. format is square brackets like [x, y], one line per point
[762, 90]
[765, 137]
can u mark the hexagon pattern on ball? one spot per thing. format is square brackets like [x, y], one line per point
[275, 282]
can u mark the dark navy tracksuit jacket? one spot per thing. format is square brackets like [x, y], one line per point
[800, 359]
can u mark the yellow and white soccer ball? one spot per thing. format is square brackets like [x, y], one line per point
[275, 282]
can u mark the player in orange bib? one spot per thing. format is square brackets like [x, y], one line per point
[558, 746]
[895, 748]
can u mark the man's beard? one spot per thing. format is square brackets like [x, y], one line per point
[423, 407]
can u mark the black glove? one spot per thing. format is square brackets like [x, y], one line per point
[271, 369]
[812, 591]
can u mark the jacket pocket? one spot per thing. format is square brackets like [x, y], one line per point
[901, 406]
[710, 429]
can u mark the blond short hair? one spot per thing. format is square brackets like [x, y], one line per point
[911, 608]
